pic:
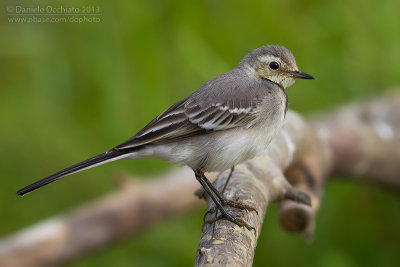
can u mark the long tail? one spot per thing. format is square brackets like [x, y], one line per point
[109, 156]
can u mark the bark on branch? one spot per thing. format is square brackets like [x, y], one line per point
[360, 141]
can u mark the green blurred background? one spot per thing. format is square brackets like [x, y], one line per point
[69, 91]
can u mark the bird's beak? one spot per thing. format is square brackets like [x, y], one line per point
[301, 75]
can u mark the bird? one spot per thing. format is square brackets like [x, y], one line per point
[228, 120]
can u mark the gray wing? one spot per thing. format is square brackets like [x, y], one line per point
[228, 101]
[190, 117]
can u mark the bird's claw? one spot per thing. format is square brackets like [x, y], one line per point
[235, 219]
[238, 205]
[233, 204]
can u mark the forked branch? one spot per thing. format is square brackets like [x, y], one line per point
[360, 141]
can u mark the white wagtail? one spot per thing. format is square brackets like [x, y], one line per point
[228, 120]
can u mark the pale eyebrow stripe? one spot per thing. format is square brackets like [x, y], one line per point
[267, 58]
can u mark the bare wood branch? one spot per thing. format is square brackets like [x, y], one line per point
[258, 183]
[360, 141]
[132, 209]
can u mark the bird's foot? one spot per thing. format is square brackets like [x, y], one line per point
[221, 202]
[229, 203]
[236, 219]
[237, 204]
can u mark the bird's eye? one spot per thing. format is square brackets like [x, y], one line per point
[274, 65]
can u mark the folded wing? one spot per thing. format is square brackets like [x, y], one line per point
[189, 118]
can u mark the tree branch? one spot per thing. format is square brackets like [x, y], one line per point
[259, 182]
[133, 208]
[360, 141]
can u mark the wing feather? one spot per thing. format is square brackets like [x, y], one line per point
[189, 118]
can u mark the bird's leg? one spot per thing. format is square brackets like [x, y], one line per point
[211, 192]
[227, 180]
[223, 200]
[231, 203]
[215, 190]
[222, 195]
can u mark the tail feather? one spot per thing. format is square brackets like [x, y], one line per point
[87, 164]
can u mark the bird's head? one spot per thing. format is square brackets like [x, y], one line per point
[274, 63]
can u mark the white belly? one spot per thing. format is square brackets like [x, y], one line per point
[216, 151]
